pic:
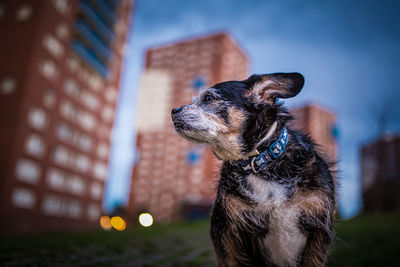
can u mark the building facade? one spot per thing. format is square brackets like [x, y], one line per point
[172, 177]
[319, 123]
[380, 174]
[59, 79]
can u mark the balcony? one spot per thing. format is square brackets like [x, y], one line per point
[93, 40]
[90, 58]
[105, 11]
[100, 26]
[112, 3]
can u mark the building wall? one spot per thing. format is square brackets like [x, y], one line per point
[380, 173]
[57, 116]
[172, 174]
[318, 122]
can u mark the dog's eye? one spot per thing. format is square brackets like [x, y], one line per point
[208, 98]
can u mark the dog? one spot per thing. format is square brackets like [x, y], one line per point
[275, 200]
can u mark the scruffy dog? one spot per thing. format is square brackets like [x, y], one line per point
[276, 196]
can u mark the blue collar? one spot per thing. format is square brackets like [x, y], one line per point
[274, 151]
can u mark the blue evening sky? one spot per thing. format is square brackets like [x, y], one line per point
[349, 52]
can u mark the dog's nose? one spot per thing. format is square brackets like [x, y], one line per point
[176, 110]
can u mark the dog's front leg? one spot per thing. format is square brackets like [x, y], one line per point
[319, 236]
[218, 232]
[315, 251]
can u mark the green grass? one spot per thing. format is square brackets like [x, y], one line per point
[368, 240]
[154, 246]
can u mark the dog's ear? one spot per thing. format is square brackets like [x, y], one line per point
[269, 87]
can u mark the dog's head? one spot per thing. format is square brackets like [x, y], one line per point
[233, 117]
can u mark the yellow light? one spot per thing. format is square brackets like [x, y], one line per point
[118, 223]
[105, 222]
[145, 219]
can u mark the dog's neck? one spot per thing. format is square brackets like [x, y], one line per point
[269, 134]
[259, 147]
[272, 152]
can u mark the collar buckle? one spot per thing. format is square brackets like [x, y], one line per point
[252, 165]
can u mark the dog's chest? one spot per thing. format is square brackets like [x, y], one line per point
[284, 241]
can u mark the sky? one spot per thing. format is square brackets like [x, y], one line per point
[348, 51]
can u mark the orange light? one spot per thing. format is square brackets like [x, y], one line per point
[118, 223]
[105, 222]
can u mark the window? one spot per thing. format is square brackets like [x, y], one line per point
[55, 179]
[95, 82]
[68, 110]
[85, 142]
[53, 45]
[68, 134]
[74, 209]
[100, 171]
[76, 185]
[62, 30]
[49, 99]
[82, 163]
[96, 191]
[61, 6]
[72, 88]
[108, 113]
[64, 157]
[90, 100]
[86, 120]
[143, 171]
[54, 205]
[37, 118]
[102, 151]
[93, 212]
[64, 132]
[65, 182]
[8, 85]
[24, 12]
[34, 145]
[111, 94]
[60, 155]
[23, 198]
[48, 69]
[58, 206]
[27, 171]
[72, 64]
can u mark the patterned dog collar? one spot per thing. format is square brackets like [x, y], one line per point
[274, 151]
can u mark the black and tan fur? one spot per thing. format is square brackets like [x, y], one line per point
[283, 215]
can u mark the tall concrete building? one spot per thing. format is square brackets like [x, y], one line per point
[59, 77]
[172, 177]
[319, 123]
[380, 174]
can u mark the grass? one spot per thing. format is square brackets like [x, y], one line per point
[154, 246]
[368, 240]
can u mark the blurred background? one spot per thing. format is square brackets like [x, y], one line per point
[90, 162]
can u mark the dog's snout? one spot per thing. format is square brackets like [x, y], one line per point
[176, 110]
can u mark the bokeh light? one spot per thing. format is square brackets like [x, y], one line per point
[145, 219]
[118, 223]
[105, 222]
